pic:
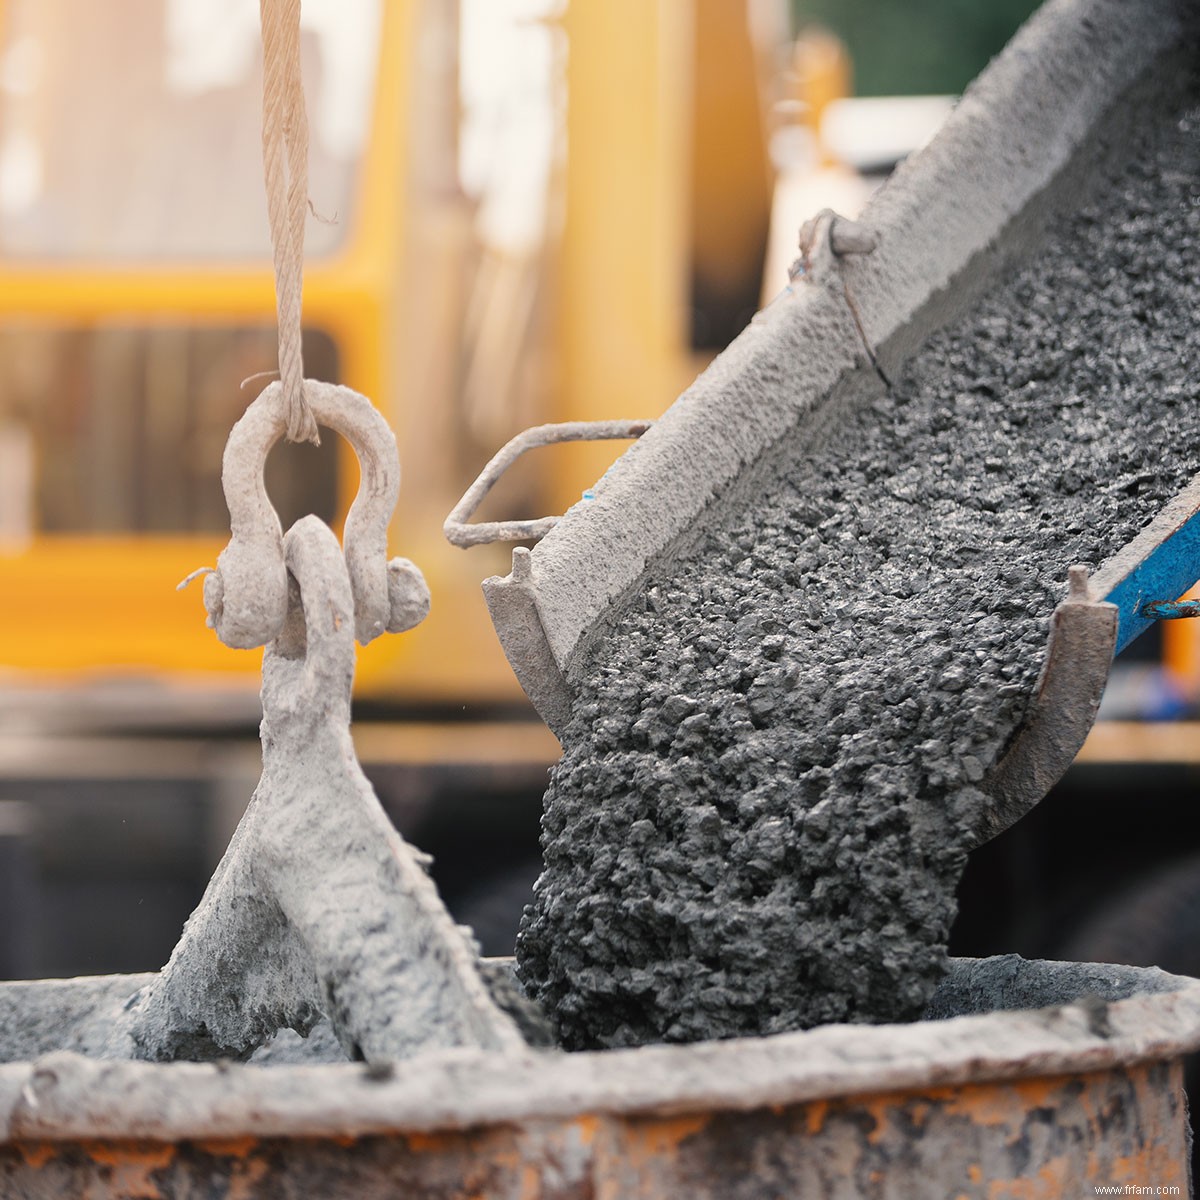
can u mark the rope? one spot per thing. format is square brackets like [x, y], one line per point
[285, 170]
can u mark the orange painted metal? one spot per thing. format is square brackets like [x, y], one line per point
[1044, 1138]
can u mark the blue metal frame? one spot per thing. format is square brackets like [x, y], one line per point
[1168, 571]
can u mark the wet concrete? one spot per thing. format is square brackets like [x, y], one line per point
[772, 770]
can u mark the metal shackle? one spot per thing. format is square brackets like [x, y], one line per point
[246, 596]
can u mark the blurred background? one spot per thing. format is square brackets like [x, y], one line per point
[525, 211]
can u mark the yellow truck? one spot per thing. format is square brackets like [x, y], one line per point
[583, 270]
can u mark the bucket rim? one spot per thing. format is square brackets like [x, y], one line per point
[1118, 1016]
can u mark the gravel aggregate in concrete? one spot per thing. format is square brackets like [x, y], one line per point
[772, 770]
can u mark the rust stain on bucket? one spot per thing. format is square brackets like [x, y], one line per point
[1032, 1139]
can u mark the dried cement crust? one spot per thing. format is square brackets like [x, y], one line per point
[990, 1026]
[318, 907]
[246, 597]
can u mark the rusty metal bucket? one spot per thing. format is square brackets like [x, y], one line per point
[1027, 1079]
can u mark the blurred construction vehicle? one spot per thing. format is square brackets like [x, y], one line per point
[527, 212]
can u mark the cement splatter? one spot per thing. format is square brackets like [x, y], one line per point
[771, 775]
